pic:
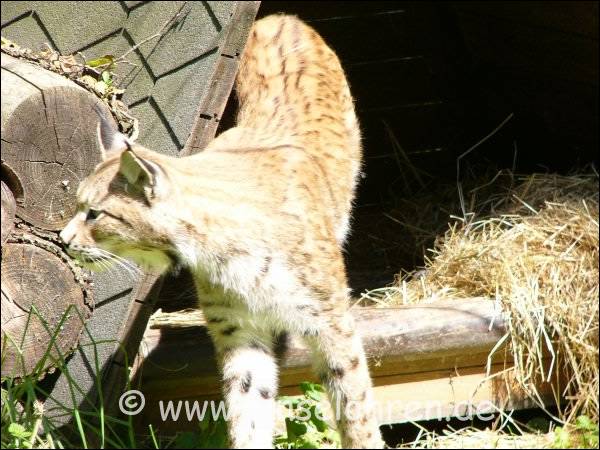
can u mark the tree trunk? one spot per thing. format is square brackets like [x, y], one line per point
[48, 139]
[45, 303]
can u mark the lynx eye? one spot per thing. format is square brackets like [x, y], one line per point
[92, 214]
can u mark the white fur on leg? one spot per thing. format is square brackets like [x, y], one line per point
[250, 380]
[340, 361]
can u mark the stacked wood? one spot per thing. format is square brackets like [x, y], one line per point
[45, 303]
[48, 145]
[48, 140]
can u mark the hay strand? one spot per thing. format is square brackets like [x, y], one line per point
[536, 251]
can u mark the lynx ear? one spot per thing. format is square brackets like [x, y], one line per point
[110, 140]
[142, 176]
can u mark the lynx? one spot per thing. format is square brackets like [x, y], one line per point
[260, 218]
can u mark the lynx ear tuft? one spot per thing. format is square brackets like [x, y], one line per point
[110, 140]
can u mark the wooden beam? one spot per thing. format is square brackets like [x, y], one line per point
[395, 338]
[437, 352]
[212, 104]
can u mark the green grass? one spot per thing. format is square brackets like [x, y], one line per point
[582, 434]
[25, 423]
[305, 427]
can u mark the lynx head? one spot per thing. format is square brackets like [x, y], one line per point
[122, 205]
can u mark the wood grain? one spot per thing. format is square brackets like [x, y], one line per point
[48, 140]
[427, 361]
[45, 303]
[176, 362]
[9, 207]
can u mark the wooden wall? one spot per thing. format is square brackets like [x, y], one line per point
[539, 59]
[401, 60]
[442, 75]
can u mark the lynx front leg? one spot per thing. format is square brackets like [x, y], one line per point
[342, 367]
[249, 386]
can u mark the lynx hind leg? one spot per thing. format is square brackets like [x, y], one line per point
[341, 364]
[249, 374]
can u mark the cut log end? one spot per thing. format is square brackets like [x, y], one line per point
[8, 211]
[48, 140]
[45, 305]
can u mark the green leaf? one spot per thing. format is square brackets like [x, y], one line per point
[585, 423]
[308, 386]
[204, 424]
[312, 390]
[107, 77]
[295, 428]
[561, 438]
[281, 442]
[18, 431]
[315, 412]
[333, 436]
[218, 436]
[107, 60]
[309, 442]
[291, 402]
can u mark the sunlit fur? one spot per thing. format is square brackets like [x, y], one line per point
[259, 217]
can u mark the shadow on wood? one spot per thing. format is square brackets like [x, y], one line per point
[425, 360]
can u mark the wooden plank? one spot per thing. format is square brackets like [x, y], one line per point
[213, 103]
[545, 53]
[330, 10]
[416, 128]
[178, 363]
[443, 330]
[380, 30]
[427, 362]
[572, 17]
[405, 81]
[379, 36]
[560, 114]
[464, 393]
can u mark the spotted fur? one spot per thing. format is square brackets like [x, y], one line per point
[260, 218]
